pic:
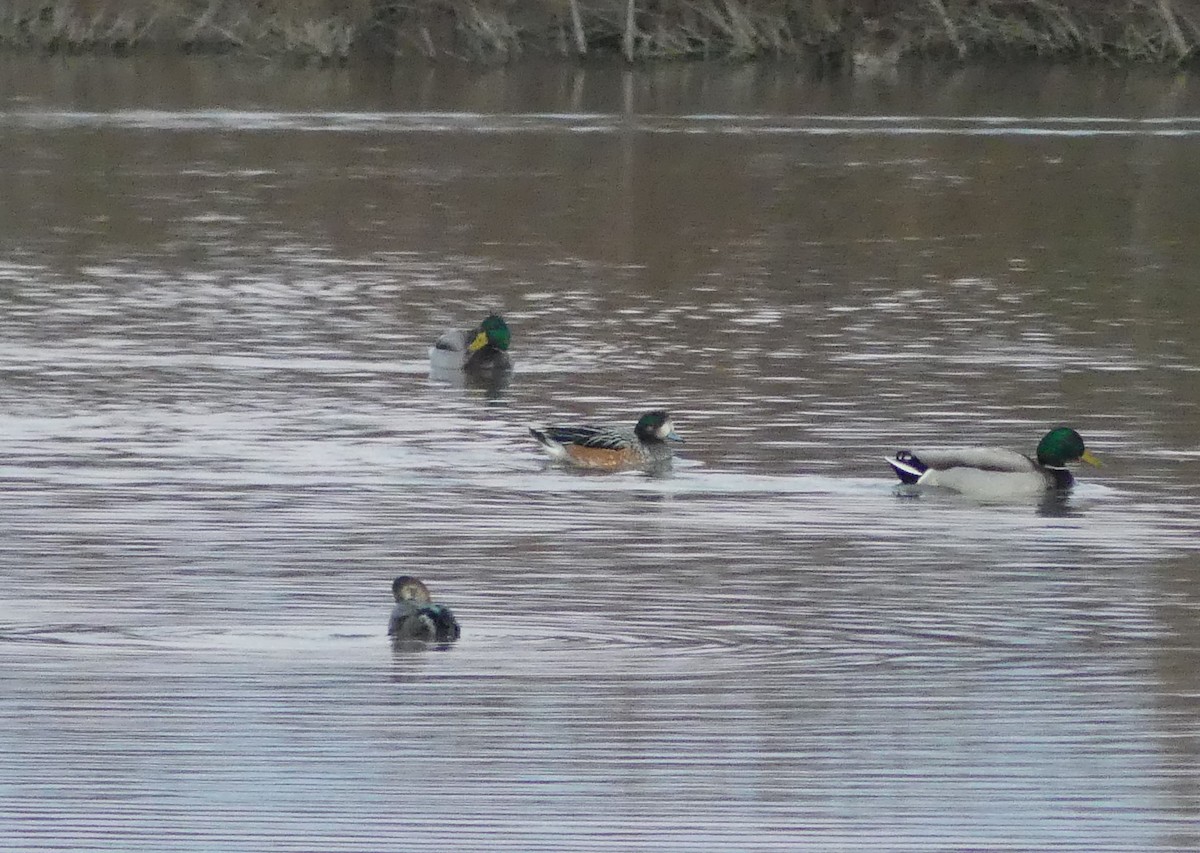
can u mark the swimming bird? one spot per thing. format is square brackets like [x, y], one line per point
[995, 472]
[479, 350]
[416, 617]
[611, 448]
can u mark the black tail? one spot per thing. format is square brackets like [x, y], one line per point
[908, 467]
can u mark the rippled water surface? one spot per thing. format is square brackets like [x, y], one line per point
[221, 441]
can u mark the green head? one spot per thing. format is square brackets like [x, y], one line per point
[1061, 446]
[656, 426]
[493, 330]
[408, 588]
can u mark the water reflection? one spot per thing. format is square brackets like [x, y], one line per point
[1056, 504]
[223, 438]
[491, 383]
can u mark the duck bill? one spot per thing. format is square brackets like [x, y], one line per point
[479, 343]
[1090, 459]
[671, 436]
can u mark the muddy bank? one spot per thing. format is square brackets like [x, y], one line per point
[830, 33]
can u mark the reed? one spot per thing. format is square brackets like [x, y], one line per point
[829, 32]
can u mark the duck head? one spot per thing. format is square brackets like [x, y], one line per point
[656, 426]
[494, 331]
[1061, 446]
[408, 588]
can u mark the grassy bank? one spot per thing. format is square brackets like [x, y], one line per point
[828, 32]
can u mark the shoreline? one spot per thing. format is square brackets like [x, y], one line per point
[824, 34]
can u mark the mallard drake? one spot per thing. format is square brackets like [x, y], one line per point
[611, 448]
[988, 471]
[482, 349]
[416, 617]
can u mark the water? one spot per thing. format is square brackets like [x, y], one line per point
[222, 441]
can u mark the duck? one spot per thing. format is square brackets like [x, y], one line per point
[483, 349]
[611, 448]
[416, 617]
[996, 472]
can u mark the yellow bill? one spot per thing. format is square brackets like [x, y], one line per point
[1090, 459]
[479, 343]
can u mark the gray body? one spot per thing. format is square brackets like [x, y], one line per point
[449, 352]
[428, 622]
[986, 472]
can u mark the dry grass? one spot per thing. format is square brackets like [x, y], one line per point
[827, 31]
[1163, 31]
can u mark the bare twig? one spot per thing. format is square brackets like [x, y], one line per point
[577, 29]
[1181, 47]
[951, 31]
[630, 24]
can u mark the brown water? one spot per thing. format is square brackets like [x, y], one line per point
[221, 441]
